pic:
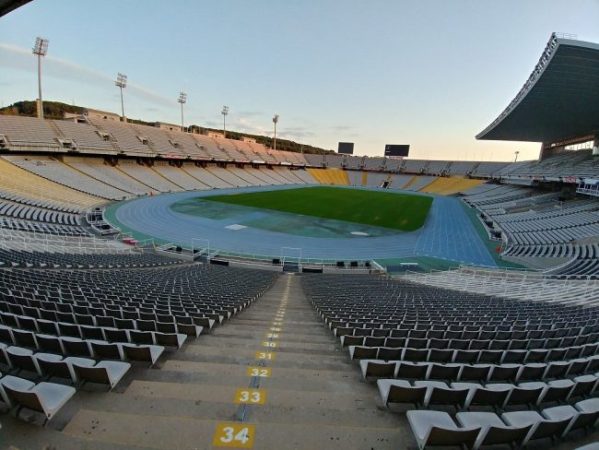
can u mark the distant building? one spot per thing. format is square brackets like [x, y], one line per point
[215, 134]
[91, 114]
[167, 126]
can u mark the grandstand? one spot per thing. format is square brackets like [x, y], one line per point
[115, 339]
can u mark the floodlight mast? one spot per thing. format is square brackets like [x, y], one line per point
[516, 153]
[182, 100]
[40, 49]
[224, 112]
[275, 120]
[121, 83]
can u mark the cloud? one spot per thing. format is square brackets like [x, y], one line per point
[247, 125]
[250, 113]
[295, 133]
[20, 58]
[341, 127]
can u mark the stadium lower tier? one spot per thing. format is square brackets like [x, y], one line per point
[86, 181]
[199, 356]
[42, 199]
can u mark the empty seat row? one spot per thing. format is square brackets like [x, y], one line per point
[424, 393]
[54, 332]
[23, 358]
[516, 428]
[472, 344]
[97, 327]
[376, 368]
[474, 356]
[352, 335]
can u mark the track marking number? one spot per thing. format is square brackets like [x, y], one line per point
[251, 396]
[233, 435]
[263, 372]
[265, 355]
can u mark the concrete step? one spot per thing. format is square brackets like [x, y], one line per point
[275, 397]
[288, 359]
[168, 432]
[346, 382]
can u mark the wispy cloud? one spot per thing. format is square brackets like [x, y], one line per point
[296, 133]
[20, 58]
[341, 127]
[251, 113]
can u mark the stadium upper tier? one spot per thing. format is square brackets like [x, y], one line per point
[109, 138]
[559, 101]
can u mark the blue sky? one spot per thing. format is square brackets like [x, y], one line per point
[430, 73]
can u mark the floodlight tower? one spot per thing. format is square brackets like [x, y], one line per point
[121, 83]
[182, 100]
[275, 120]
[516, 153]
[40, 49]
[224, 112]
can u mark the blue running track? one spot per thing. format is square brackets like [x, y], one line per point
[448, 233]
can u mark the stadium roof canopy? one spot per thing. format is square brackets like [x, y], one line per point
[560, 99]
[7, 6]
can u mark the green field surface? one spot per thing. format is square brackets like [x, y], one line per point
[383, 209]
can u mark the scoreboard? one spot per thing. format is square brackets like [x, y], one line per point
[346, 148]
[397, 150]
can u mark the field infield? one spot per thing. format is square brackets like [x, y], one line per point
[398, 211]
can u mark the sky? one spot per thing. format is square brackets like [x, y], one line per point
[429, 73]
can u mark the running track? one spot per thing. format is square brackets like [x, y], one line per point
[448, 233]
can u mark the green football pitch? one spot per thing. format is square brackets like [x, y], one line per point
[384, 209]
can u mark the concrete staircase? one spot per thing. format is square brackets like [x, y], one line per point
[306, 395]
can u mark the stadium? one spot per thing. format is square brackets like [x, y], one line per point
[166, 287]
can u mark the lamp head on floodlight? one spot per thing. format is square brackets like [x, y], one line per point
[121, 80]
[41, 46]
[225, 110]
[182, 97]
[275, 119]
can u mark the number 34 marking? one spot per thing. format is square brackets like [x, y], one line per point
[233, 435]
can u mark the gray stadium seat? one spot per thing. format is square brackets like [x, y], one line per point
[438, 428]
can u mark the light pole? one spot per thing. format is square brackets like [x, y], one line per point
[275, 120]
[182, 99]
[224, 112]
[516, 153]
[121, 83]
[40, 49]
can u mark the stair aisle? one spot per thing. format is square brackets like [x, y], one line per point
[271, 378]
